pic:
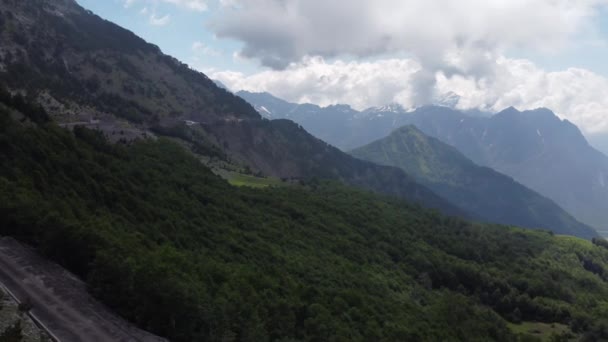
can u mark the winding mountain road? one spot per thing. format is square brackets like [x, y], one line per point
[60, 301]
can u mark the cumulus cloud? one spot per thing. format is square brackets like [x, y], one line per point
[575, 94]
[359, 84]
[229, 3]
[578, 95]
[157, 20]
[283, 31]
[196, 5]
[454, 37]
[128, 3]
[201, 49]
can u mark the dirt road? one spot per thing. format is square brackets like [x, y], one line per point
[60, 301]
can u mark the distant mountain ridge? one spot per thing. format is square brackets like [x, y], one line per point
[600, 142]
[490, 195]
[339, 125]
[536, 148]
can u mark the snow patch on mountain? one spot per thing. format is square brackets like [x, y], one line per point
[264, 111]
[390, 108]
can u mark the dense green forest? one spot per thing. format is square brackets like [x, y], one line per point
[182, 253]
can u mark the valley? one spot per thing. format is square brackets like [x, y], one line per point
[492, 196]
[140, 200]
[537, 149]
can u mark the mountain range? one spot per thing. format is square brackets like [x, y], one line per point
[107, 152]
[536, 148]
[84, 69]
[492, 196]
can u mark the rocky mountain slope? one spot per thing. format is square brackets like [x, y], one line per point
[82, 68]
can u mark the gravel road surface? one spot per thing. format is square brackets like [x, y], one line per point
[60, 300]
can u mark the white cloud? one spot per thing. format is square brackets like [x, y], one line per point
[574, 94]
[433, 32]
[229, 3]
[360, 84]
[578, 95]
[195, 5]
[201, 54]
[129, 3]
[158, 20]
[285, 31]
[201, 49]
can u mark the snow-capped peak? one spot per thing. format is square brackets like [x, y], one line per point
[390, 108]
[449, 100]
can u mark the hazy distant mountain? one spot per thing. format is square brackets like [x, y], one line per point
[220, 85]
[267, 105]
[536, 148]
[338, 125]
[480, 190]
[600, 142]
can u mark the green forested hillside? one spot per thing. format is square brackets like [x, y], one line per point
[283, 149]
[491, 196]
[179, 251]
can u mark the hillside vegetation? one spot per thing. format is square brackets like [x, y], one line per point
[182, 253]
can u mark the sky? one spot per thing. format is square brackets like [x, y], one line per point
[488, 54]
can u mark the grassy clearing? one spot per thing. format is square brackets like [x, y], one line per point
[239, 179]
[233, 173]
[542, 331]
